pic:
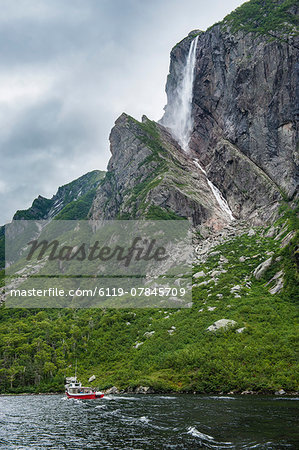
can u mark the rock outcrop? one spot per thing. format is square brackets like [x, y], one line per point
[245, 111]
[149, 176]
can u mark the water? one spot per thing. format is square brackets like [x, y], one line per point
[217, 194]
[179, 119]
[148, 422]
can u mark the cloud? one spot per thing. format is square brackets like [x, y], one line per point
[68, 70]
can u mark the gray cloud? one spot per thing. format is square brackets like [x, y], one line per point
[68, 70]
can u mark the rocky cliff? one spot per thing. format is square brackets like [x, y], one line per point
[245, 105]
[244, 111]
[149, 176]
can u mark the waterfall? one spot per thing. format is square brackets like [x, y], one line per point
[180, 119]
[217, 194]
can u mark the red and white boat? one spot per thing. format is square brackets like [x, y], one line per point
[74, 389]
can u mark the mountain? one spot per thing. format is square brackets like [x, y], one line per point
[149, 176]
[76, 196]
[245, 106]
[224, 156]
[244, 111]
[71, 201]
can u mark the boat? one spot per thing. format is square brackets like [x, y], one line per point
[74, 389]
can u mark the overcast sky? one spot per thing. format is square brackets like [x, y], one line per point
[68, 69]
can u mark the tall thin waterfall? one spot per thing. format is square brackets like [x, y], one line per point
[180, 119]
[217, 194]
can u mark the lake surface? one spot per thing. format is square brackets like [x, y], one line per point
[148, 422]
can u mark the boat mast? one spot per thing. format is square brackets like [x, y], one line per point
[76, 371]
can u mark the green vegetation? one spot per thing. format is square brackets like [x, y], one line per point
[38, 210]
[77, 209]
[66, 194]
[38, 346]
[77, 197]
[270, 17]
[156, 213]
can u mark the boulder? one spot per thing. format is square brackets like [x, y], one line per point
[280, 392]
[262, 268]
[211, 308]
[199, 274]
[138, 344]
[148, 334]
[113, 390]
[235, 288]
[240, 330]
[143, 390]
[278, 287]
[221, 324]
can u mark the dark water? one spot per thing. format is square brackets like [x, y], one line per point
[148, 422]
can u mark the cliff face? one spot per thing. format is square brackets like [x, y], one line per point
[245, 111]
[150, 176]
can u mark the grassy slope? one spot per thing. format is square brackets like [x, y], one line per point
[270, 17]
[38, 346]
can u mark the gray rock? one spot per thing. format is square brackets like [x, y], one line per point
[223, 259]
[235, 288]
[144, 169]
[199, 274]
[143, 390]
[287, 239]
[271, 232]
[262, 268]
[221, 324]
[148, 334]
[278, 287]
[113, 390]
[215, 253]
[240, 330]
[138, 344]
[280, 392]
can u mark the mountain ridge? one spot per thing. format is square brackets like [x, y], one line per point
[239, 334]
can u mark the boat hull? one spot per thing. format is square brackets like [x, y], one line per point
[91, 396]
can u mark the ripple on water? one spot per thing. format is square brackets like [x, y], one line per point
[206, 439]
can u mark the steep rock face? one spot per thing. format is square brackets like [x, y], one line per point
[149, 176]
[245, 107]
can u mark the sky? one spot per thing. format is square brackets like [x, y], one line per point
[68, 69]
